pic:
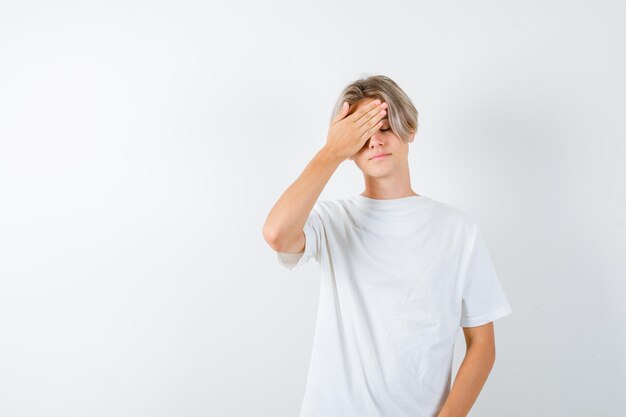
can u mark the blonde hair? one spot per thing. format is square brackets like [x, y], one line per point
[401, 112]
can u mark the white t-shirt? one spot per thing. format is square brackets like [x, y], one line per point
[399, 278]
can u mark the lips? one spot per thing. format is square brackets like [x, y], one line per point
[380, 156]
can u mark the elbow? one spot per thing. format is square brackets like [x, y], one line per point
[274, 237]
[270, 235]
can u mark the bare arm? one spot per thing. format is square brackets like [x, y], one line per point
[284, 224]
[473, 372]
[283, 228]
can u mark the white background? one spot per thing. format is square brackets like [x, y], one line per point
[142, 145]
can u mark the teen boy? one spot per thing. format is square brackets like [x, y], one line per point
[400, 273]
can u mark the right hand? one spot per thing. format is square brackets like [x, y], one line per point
[347, 135]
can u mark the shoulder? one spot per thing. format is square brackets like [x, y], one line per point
[333, 212]
[330, 207]
[452, 214]
[455, 222]
[325, 212]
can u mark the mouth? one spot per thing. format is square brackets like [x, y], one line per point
[383, 156]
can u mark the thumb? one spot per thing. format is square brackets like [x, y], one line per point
[342, 113]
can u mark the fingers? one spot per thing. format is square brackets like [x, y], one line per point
[374, 123]
[342, 113]
[361, 116]
[369, 131]
[365, 113]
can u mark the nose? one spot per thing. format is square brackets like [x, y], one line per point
[376, 139]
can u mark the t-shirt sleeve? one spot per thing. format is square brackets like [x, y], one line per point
[484, 299]
[313, 230]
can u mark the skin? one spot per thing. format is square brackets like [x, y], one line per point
[480, 356]
[389, 178]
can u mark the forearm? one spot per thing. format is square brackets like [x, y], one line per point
[288, 216]
[469, 381]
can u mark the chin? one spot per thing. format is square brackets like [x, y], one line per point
[377, 173]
